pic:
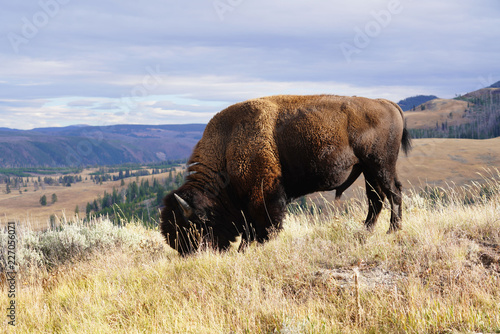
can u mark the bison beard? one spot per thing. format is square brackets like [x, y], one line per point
[257, 156]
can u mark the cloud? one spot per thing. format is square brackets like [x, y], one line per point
[95, 59]
[107, 106]
[33, 103]
[81, 103]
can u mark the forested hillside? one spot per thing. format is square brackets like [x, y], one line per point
[136, 200]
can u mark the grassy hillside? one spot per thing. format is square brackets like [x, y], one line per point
[437, 111]
[323, 274]
[475, 115]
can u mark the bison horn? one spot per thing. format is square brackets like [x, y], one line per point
[186, 209]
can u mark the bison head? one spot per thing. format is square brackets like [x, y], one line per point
[191, 219]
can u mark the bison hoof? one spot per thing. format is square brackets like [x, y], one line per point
[370, 226]
[394, 228]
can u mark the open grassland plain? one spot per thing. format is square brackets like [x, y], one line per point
[443, 162]
[322, 274]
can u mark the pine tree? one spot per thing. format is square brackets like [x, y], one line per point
[88, 209]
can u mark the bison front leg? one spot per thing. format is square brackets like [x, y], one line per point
[267, 211]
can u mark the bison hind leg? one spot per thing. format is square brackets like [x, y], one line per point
[396, 207]
[376, 197]
[382, 187]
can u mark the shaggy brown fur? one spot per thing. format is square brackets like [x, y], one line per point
[257, 156]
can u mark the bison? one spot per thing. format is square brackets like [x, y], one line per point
[257, 156]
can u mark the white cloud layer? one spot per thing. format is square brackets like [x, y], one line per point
[71, 62]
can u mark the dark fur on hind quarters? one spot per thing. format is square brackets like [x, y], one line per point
[257, 156]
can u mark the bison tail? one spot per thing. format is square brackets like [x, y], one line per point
[406, 140]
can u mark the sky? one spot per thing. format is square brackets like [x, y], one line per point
[67, 62]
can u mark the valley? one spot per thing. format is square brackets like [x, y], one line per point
[432, 162]
[24, 205]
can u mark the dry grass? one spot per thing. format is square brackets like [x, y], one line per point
[441, 274]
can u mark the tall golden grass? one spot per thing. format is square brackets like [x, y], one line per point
[322, 274]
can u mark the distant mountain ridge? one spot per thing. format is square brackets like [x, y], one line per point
[414, 101]
[473, 115]
[495, 85]
[97, 145]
